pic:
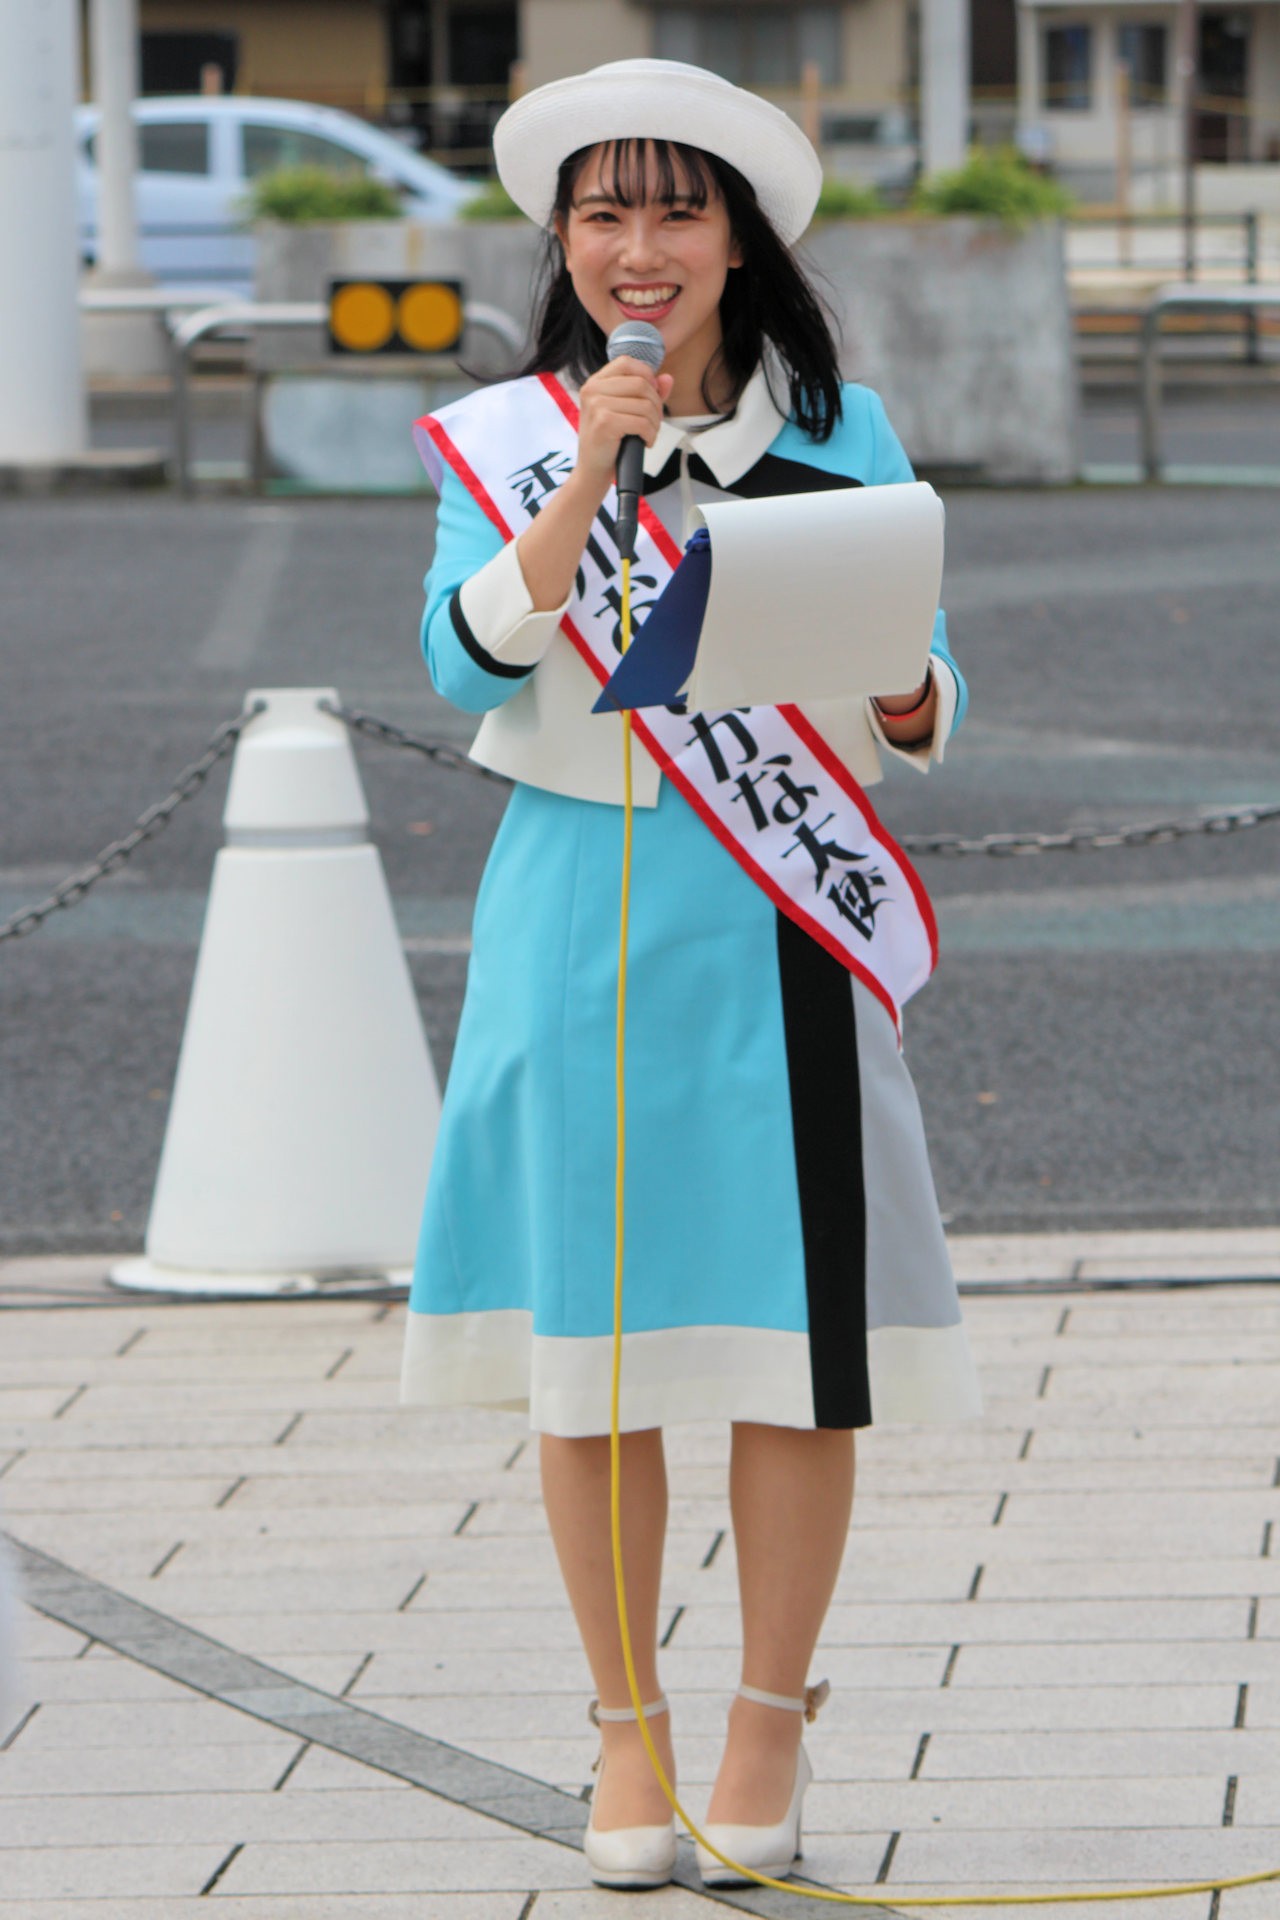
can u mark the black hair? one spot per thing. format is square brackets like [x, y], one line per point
[767, 301]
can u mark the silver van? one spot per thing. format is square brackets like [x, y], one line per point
[198, 156]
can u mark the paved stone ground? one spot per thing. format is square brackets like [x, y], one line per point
[1055, 1648]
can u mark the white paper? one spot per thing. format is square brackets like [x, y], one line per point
[819, 596]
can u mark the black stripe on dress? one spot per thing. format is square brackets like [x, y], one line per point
[481, 655]
[826, 1120]
[771, 475]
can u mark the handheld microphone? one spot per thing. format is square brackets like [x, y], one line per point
[640, 341]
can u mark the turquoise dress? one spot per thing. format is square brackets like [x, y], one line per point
[785, 1260]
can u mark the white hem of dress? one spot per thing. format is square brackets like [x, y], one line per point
[919, 1375]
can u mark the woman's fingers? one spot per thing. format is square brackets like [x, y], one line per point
[624, 367]
[601, 434]
[622, 398]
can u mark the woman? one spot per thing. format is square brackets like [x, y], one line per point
[786, 1268]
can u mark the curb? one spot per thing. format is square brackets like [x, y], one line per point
[1145, 1259]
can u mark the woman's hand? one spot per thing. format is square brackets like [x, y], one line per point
[624, 397]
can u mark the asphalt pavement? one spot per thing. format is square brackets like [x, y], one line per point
[1098, 1046]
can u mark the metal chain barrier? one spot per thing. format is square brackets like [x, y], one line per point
[440, 751]
[1152, 833]
[443, 753]
[146, 827]
[1146, 834]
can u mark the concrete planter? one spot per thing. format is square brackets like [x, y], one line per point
[494, 263]
[961, 324]
[328, 423]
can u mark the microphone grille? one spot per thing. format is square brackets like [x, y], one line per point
[639, 340]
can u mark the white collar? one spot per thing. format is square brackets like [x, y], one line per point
[731, 448]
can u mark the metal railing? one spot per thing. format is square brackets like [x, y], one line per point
[243, 318]
[161, 301]
[1126, 222]
[1184, 299]
[191, 315]
[1123, 223]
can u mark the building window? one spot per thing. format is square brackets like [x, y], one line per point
[1068, 61]
[755, 46]
[1143, 49]
[177, 62]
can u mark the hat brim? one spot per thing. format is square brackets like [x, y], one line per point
[657, 100]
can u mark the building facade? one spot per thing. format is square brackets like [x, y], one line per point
[860, 48]
[847, 69]
[1102, 88]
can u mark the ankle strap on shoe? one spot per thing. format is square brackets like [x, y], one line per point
[813, 1698]
[597, 1714]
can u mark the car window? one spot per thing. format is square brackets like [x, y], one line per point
[165, 146]
[173, 146]
[267, 147]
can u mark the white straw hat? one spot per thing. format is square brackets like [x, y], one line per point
[657, 100]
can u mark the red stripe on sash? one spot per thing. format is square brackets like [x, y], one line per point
[469, 477]
[875, 827]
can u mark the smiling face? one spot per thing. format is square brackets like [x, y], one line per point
[641, 246]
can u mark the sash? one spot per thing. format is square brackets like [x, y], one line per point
[762, 778]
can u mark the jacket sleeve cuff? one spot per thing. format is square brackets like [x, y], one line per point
[922, 753]
[502, 627]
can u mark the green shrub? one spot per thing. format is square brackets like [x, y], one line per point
[847, 200]
[299, 194]
[839, 199]
[492, 203]
[996, 181]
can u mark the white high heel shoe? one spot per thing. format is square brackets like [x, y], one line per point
[628, 1856]
[768, 1850]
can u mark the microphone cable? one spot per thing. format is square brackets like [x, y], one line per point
[828, 1894]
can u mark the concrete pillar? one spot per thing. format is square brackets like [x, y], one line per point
[42, 404]
[1188, 35]
[115, 80]
[439, 10]
[1030, 80]
[120, 346]
[944, 84]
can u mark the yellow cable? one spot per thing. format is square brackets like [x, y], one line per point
[615, 1485]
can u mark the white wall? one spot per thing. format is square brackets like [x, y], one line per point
[566, 36]
[874, 52]
[558, 37]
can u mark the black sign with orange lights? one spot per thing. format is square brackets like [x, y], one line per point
[394, 316]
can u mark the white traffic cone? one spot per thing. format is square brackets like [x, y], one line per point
[305, 1105]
